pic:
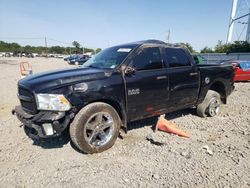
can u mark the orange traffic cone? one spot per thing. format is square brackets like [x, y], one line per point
[25, 69]
[169, 127]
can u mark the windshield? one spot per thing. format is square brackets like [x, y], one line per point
[109, 58]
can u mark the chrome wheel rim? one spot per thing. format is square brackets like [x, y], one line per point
[99, 129]
[214, 106]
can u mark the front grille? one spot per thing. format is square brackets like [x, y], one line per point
[27, 100]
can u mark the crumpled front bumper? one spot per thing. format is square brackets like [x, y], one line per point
[34, 124]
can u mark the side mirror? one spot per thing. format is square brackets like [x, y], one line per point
[129, 70]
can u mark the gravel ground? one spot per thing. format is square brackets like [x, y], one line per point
[216, 155]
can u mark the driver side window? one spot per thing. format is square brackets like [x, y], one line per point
[149, 58]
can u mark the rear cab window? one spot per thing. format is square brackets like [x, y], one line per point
[177, 57]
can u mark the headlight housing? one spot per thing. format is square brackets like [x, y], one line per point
[53, 102]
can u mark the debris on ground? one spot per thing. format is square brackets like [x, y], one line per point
[186, 154]
[208, 150]
[154, 141]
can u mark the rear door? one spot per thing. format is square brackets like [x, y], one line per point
[147, 87]
[183, 78]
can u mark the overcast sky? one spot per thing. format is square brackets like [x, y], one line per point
[97, 23]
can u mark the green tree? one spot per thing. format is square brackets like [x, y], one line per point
[98, 50]
[206, 50]
[239, 46]
[14, 47]
[76, 44]
[56, 49]
[235, 47]
[28, 49]
[188, 46]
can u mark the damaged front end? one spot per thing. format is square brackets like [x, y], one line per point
[44, 124]
[42, 114]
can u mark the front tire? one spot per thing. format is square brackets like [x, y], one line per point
[95, 128]
[210, 105]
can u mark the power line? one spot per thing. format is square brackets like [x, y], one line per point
[44, 40]
[22, 38]
[36, 38]
[59, 41]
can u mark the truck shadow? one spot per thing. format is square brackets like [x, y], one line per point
[59, 142]
[51, 143]
[153, 120]
[245, 81]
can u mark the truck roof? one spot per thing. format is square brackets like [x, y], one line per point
[150, 41]
[146, 42]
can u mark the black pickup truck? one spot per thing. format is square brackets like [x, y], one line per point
[118, 85]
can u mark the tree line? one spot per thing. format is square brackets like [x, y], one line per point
[16, 48]
[236, 47]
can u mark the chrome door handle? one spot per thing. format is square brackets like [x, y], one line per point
[161, 77]
[193, 73]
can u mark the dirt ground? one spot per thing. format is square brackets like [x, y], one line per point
[216, 155]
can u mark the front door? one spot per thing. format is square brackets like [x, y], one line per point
[147, 87]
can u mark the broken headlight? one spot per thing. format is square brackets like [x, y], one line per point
[54, 102]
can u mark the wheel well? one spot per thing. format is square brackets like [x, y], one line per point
[220, 88]
[118, 109]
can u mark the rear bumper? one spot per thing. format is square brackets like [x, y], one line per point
[34, 124]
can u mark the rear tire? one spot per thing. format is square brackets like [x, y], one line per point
[95, 128]
[210, 105]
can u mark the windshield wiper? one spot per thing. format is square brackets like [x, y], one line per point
[92, 66]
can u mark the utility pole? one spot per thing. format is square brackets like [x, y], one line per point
[82, 49]
[168, 36]
[45, 40]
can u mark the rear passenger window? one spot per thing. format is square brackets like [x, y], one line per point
[149, 58]
[177, 57]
